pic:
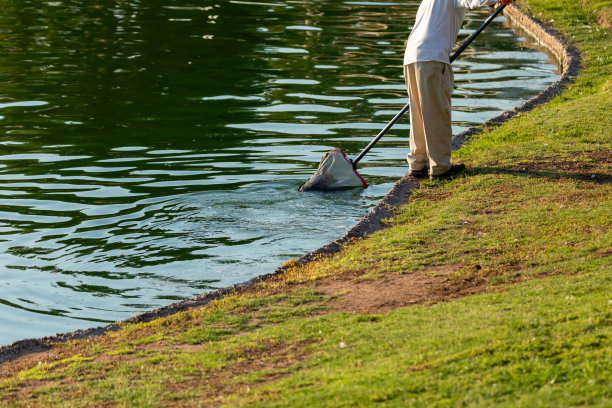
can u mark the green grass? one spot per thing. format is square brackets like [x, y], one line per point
[545, 343]
[530, 220]
[476, 226]
[603, 8]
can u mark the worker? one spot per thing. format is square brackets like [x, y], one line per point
[429, 79]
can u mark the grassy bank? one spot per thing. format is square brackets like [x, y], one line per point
[493, 289]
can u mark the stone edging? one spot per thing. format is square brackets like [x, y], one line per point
[372, 222]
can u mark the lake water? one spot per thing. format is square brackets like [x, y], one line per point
[152, 150]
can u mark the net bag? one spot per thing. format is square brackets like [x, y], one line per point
[335, 172]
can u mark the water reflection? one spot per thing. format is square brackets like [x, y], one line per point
[150, 151]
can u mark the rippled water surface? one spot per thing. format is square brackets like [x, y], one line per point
[151, 150]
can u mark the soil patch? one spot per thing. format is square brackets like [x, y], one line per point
[10, 369]
[428, 286]
[392, 291]
[605, 19]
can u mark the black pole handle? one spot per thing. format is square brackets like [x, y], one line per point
[407, 106]
[476, 33]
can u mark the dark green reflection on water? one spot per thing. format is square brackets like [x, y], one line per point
[151, 150]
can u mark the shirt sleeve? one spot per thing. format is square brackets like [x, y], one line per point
[470, 4]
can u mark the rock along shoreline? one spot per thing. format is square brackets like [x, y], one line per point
[547, 37]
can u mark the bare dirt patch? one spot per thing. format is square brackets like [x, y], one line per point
[10, 369]
[394, 290]
[428, 286]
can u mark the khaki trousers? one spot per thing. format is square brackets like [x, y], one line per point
[430, 85]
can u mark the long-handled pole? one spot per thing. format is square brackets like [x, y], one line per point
[405, 108]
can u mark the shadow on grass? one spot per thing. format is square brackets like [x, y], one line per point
[596, 177]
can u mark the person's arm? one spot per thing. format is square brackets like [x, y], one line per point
[470, 4]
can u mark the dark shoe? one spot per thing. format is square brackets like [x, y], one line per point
[450, 173]
[419, 173]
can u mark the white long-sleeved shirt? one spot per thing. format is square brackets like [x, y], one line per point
[436, 28]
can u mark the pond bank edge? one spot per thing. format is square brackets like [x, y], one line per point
[566, 53]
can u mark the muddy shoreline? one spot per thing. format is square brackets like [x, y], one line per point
[372, 222]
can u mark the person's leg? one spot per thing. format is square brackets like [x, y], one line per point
[417, 158]
[436, 86]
